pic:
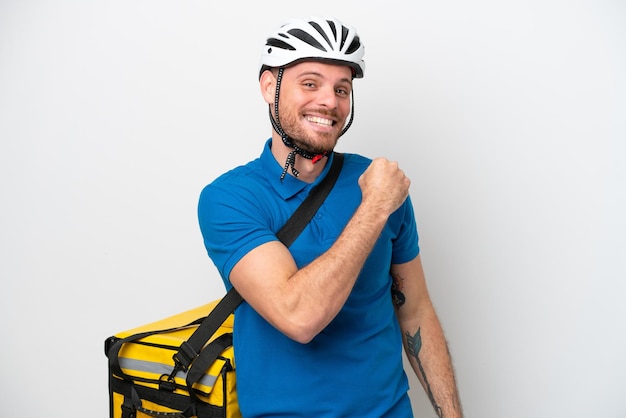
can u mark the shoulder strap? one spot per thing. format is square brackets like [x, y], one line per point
[307, 209]
[287, 235]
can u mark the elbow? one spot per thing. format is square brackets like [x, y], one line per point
[303, 337]
[302, 332]
[298, 321]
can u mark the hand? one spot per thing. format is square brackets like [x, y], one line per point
[384, 186]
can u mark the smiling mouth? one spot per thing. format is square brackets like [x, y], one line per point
[320, 121]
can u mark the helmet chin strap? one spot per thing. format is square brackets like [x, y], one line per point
[288, 141]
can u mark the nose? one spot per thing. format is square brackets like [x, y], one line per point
[328, 98]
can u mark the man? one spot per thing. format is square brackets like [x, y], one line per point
[319, 333]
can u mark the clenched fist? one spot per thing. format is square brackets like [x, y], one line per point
[384, 186]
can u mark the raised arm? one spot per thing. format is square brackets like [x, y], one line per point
[302, 302]
[423, 338]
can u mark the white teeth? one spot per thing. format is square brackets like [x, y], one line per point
[321, 121]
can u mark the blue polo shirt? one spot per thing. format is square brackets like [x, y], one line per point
[353, 368]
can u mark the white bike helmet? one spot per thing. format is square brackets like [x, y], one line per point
[317, 39]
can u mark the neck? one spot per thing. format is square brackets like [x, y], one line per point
[309, 171]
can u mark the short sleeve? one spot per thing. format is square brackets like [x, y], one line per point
[232, 224]
[406, 243]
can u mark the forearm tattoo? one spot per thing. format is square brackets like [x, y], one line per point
[414, 344]
[397, 286]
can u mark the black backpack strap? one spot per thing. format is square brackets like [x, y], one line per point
[190, 349]
[207, 356]
[307, 209]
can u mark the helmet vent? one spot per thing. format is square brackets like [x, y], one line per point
[319, 29]
[356, 44]
[305, 37]
[344, 35]
[279, 44]
[332, 27]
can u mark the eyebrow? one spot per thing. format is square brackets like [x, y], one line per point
[315, 73]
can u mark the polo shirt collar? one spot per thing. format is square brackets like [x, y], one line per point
[290, 185]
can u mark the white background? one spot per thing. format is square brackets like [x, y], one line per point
[508, 116]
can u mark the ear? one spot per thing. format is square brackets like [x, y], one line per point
[267, 83]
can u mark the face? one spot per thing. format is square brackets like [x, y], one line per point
[314, 104]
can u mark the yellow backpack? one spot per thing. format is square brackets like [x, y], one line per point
[161, 370]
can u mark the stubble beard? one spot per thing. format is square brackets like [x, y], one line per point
[312, 142]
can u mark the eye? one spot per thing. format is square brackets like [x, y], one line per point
[342, 91]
